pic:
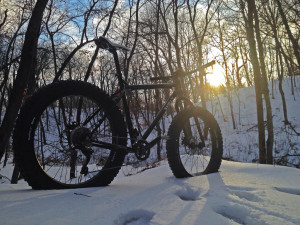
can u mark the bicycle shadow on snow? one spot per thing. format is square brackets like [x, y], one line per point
[208, 200]
[199, 195]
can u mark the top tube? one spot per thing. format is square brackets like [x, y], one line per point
[183, 73]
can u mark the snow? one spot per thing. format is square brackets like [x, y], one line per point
[241, 193]
[241, 144]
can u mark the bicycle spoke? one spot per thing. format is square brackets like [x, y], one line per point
[53, 139]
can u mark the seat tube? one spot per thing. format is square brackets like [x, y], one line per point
[118, 69]
[124, 99]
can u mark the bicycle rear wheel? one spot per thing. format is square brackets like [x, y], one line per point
[54, 135]
[194, 146]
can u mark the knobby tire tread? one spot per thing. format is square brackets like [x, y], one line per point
[173, 140]
[24, 153]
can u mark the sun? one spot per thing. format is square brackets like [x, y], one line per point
[215, 76]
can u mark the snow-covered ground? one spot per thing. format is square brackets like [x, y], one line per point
[240, 193]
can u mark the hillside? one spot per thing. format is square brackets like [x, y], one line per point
[241, 144]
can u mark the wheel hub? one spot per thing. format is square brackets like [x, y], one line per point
[81, 136]
[193, 145]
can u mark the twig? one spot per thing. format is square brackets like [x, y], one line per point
[293, 128]
[1, 176]
[82, 194]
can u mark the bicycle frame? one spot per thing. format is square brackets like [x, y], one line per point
[178, 84]
[124, 86]
[134, 136]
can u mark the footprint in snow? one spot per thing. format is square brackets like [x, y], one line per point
[243, 193]
[293, 191]
[188, 194]
[135, 217]
[249, 212]
[240, 188]
[233, 213]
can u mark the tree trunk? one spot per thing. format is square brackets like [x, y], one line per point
[257, 78]
[265, 90]
[228, 94]
[287, 27]
[4, 19]
[26, 63]
[156, 73]
[279, 63]
[15, 175]
[280, 77]
[229, 97]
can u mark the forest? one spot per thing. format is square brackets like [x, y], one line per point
[253, 43]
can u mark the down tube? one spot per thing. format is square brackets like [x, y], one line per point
[159, 115]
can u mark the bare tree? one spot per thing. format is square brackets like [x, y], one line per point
[248, 16]
[200, 35]
[288, 30]
[227, 75]
[272, 21]
[26, 63]
[4, 19]
[265, 89]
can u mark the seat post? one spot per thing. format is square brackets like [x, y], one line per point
[118, 68]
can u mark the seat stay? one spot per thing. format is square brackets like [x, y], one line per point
[105, 43]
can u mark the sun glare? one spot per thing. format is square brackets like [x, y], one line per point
[215, 77]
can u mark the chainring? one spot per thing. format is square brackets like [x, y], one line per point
[142, 150]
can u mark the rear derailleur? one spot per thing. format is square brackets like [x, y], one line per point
[81, 138]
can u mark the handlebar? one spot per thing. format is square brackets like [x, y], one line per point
[167, 78]
[211, 63]
[161, 78]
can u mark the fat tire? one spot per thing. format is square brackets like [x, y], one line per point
[24, 154]
[172, 144]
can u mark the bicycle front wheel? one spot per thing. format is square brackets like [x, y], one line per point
[55, 132]
[194, 145]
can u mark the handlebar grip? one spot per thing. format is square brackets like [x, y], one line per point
[208, 64]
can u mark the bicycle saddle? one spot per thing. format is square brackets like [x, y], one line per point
[104, 43]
